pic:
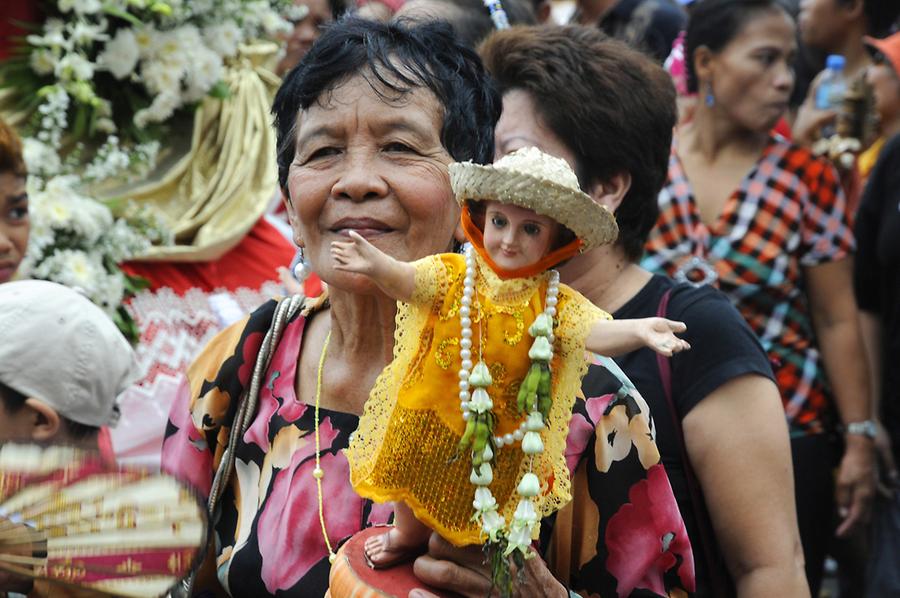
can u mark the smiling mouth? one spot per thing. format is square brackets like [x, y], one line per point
[365, 227]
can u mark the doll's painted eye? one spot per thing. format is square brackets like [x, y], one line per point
[498, 221]
[531, 229]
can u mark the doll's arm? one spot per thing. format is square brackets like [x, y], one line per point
[397, 279]
[616, 337]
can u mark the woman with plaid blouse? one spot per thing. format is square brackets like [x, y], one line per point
[765, 221]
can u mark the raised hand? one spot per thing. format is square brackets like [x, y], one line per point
[356, 255]
[659, 335]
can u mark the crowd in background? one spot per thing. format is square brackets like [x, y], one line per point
[780, 252]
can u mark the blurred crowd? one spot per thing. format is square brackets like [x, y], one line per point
[779, 187]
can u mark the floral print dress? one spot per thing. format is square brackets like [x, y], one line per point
[623, 534]
[267, 536]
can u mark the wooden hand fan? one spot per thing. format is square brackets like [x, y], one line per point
[66, 518]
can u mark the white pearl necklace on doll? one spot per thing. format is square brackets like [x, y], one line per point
[465, 342]
[474, 399]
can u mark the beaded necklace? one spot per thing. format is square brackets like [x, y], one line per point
[318, 473]
[476, 406]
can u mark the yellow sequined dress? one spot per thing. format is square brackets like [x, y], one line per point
[405, 448]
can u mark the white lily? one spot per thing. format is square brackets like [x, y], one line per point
[480, 376]
[542, 326]
[481, 401]
[484, 500]
[492, 524]
[525, 513]
[529, 486]
[519, 539]
[532, 444]
[535, 422]
[483, 475]
[540, 350]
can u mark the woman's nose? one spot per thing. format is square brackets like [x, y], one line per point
[6, 245]
[784, 78]
[360, 180]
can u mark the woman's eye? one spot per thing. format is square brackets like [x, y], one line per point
[532, 230]
[18, 213]
[322, 152]
[498, 221]
[767, 58]
[397, 146]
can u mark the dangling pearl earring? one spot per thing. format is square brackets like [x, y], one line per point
[710, 98]
[302, 269]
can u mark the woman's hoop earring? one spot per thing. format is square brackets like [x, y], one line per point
[710, 98]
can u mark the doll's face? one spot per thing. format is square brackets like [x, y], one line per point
[516, 237]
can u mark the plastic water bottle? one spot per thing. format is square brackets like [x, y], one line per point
[831, 90]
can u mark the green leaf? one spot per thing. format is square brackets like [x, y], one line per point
[121, 14]
[82, 115]
[220, 91]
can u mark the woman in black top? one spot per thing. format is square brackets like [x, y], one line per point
[609, 112]
[877, 285]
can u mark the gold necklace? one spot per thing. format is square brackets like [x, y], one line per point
[318, 472]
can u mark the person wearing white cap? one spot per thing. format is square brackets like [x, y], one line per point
[62, 364]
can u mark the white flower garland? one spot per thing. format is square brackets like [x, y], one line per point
[476, 406]
[160, 55]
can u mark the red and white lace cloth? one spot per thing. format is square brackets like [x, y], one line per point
[187, 304]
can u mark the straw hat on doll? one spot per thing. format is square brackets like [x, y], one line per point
[531, 179]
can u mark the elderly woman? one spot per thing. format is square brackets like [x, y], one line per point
[609, 112]
[367, 125]
[766, 222]
[14, 223]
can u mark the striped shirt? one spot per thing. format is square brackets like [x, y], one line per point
[788, 214]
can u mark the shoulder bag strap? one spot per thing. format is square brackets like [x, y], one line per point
[718, 576]
[247, 401]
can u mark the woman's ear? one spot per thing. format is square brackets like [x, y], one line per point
[853, 9]
[703, 66]
[611, 192]
[44, 422]
[292, 216]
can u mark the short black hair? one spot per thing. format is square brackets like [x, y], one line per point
[611, 105]
[13, 401]
[399, 57]
[714, 23]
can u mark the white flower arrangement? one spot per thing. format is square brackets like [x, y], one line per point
[99, 80]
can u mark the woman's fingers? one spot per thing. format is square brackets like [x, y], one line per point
[449, 575]
[675, 326]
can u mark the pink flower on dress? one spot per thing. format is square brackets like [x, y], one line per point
[185, 454]
[646, 538]
[285, 363]
[248, 355]
[279, 382]
[288, 527]
[580, 429]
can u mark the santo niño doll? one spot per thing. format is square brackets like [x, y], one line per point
[466, 427]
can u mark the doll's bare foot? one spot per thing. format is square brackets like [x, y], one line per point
[392, 548]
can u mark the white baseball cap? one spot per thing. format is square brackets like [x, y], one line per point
[58, 347]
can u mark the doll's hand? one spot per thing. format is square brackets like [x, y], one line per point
[356, 255]
[659, 335]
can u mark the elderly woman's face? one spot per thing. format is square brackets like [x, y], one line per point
[374, 166]
[14, 224]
